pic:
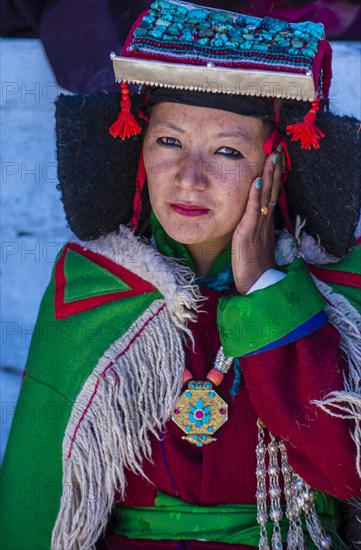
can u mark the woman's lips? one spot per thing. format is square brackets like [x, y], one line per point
[189, 209]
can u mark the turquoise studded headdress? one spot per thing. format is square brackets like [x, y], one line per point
[204, 56]
[182, 46]
[177, 44]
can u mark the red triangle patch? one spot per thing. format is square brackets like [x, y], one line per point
[65, 308]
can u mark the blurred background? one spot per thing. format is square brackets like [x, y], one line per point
[49, 47]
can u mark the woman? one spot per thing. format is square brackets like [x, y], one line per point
[193, 467]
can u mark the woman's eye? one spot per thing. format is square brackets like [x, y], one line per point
[229, 152]
[168, 141]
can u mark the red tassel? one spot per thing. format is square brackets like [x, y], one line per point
[307, 132]
[137, 202]
[126, 124]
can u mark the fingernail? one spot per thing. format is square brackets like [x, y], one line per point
[279, 148]
[259, 183]
[275, 158]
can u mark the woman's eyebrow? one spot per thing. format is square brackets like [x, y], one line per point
[235, 133]
[170, 125]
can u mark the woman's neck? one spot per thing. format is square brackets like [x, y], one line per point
[204, 254]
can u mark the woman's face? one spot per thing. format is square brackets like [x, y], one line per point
[200, 163]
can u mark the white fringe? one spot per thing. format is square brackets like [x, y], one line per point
[346, 403]
[341, 314]
[112, 426]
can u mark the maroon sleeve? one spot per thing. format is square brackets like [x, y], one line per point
[281, 383]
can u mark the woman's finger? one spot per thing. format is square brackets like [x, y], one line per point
[277, 180]
[268, 178]
[250, 218]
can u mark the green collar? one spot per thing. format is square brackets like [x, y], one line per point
[169, 247]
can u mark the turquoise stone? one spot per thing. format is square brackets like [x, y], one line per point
[307, 52]
[260, 48]
[266, 36]
[248, 36]
[296, 43]
[310, 29]
[199, 444]
[292, 51]
[204, 25]
[241, 21]
[188, 394]
[195, 437]
[192, 385]
[208, 386]
[198, 14]
[188, 428]
[220, 28]
[182, 10]
[284, 43]
[246, 46]
[153, 13]
[221, 37]
[140, 32]
[207, 33]
[162, 23]
[273, 24]
[253, 26]
[233, 31]
[210, 429]
[312, 46]
[186, 37]
[173, 30]
[164, 5]
[211, 394]
[204, 438]
[157, 33]
[250, 20]
[168, 38]
[167, 16]
[231, 45]
[221, 17]
[147, 22]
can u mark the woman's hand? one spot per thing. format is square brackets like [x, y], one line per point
[253, 238]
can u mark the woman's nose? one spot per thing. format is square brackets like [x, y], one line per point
[191, 172]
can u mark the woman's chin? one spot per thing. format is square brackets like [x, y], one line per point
[187, 237]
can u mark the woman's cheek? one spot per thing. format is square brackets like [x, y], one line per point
[250, 170]
[239, 173]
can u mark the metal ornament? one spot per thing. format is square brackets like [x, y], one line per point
[200, 412]
[299, 498]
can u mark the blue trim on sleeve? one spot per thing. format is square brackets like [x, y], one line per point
[312, 325]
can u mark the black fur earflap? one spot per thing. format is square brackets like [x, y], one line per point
[324, 186]
[97, 172]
